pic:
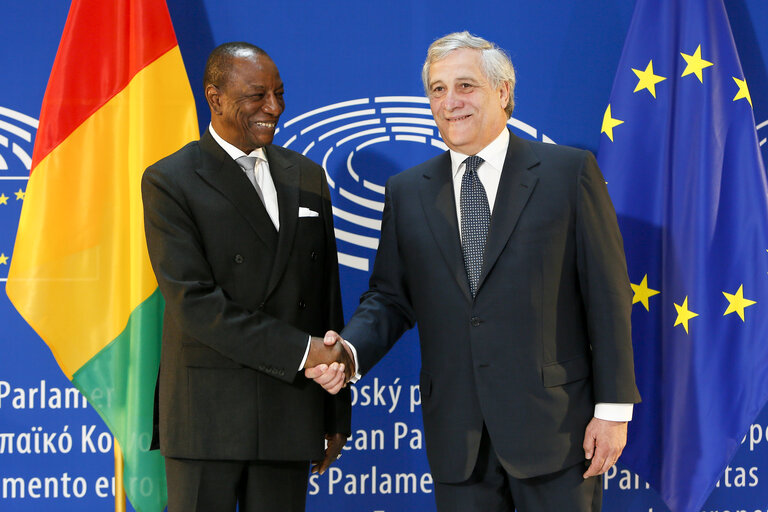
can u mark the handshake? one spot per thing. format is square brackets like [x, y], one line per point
[330, 362]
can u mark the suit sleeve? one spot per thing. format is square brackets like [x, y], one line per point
[338, 418]
[605, 288]
[195, 302]
[385, 311]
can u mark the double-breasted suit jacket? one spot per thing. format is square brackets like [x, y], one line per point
[241, 299]
[547, 334]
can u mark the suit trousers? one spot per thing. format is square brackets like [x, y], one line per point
[222, 485]
[491, 489]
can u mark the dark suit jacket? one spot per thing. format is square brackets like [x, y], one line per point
[241, 300]
[548, 333]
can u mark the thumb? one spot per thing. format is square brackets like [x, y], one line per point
[331, 337]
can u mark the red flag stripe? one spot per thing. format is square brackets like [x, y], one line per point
[142, 33]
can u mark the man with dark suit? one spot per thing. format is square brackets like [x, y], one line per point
[240, 235]
[507, 255]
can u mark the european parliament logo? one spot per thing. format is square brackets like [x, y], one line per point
[16, 141]
[360, 143]
[17, 137]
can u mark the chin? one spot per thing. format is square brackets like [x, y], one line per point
[263, 141]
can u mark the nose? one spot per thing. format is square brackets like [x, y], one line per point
[452, 100]
[273, 105]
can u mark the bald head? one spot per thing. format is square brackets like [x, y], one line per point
[218, 68]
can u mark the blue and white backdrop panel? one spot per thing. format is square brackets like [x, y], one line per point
[355, 104]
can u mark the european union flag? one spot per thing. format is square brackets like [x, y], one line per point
[680, 152]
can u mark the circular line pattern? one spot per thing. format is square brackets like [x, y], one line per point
[17, 133]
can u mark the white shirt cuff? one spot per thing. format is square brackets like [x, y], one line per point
[306, 354]
[614, 412]
[357, 375]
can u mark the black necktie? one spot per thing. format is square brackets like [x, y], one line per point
[475, 219]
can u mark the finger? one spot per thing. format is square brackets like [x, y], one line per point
[328, 377]
[335, 386]
[589, 445]
[606, 465]
[595, 467]
[312, 373]
[602, 460]
[331, 381]
[325, 464]
[315, 466]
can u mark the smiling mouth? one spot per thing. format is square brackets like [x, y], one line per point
[264, 124]
[456, 119]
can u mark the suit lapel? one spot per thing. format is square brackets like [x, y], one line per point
[439, 205]
[286, 177]
[222, 173]
[515, 188]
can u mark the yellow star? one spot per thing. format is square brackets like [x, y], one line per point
[647, 79]
[695, 64]
[642, 292]
[743, 91]
[609, 123]
[3, 259]
[737, 302]
[20, 194]
[3, 199]
[684, 314]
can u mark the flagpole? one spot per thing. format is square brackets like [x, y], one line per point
[119, 486]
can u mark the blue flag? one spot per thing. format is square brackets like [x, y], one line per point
[680, 153]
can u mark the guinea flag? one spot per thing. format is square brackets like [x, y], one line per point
[118, 99]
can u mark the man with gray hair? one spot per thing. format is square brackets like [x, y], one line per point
[507, 254]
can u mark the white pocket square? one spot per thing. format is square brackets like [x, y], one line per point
[306, 212]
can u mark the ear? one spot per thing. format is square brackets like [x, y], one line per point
[213, 96]
[504, 94]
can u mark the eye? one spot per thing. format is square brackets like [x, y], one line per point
[437, 90]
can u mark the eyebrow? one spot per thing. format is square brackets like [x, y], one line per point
[457, 79]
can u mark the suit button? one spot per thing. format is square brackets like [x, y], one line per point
[261, 306]
[475, 321]
[239, 258]
[302, 304]
[313, 256]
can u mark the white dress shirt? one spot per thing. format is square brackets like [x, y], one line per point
[262, 178]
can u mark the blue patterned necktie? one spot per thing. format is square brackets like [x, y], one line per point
[475, 219]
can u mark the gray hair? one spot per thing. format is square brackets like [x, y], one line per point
[495, 63]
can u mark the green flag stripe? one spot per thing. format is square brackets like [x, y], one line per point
[119, 383]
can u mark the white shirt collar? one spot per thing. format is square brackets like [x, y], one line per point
[233, 151]
[494, 153]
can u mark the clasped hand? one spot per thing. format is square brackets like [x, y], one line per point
[330, 362]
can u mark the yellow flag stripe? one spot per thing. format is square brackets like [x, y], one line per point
[81, 233]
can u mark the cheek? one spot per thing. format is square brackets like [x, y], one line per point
[245, 111]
